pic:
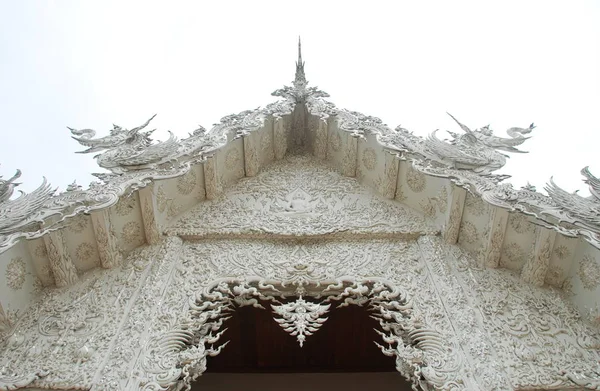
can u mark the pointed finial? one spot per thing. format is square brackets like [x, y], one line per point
[300, 79]
[300, 51]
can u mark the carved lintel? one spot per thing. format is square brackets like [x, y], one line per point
[453, 217]
[320, 141]
[498, 220]
[61, 264]
[148, 205]
[251, 156]
[106, 240]
[211, 179]
[350, 154]
[535, 269]
[280, 135]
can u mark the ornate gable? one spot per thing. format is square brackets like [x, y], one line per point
[477, 285]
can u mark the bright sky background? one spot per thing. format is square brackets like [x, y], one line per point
[89, 64]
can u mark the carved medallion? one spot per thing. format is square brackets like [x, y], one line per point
[187, 182]
[369, 159]
[78, 223]
[519, 223]
[86, 251]
[589, 273]
[562, 252]
[131, 232]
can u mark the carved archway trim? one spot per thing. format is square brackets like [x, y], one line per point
[422, 355]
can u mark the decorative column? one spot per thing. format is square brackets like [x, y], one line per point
[453, 216]
[61, 264]
[388, 182]
[148, 206]
[106, 240]
[320, 141]
[211, 179]
[493, 243]
[280, 135]
[350, 154]
[535, 269]
[251, 156]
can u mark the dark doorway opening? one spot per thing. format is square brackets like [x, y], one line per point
[259, 346]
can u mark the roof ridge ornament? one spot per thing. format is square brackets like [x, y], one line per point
[300, 92]
[300, 79]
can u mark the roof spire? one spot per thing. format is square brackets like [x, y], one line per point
[300, 79]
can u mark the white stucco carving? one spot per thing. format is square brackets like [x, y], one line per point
[303, 235]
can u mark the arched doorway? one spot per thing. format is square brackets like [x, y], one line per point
[340, 354]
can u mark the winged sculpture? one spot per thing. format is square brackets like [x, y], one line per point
[125, 149]
[16, 214]
[585, 211]
[477, 149]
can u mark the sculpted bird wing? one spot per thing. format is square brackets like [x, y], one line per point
[152, 153]
[14, 213]
[463, 127]
[582, 208]
[592, 181]
[453, 152]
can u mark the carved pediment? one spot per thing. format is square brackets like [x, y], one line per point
[300, 197]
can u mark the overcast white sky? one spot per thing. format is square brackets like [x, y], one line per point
[504, 63]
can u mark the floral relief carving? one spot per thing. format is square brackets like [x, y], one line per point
[369, 158]
[428, 207]
[514, 253]
[131, 232]
[562, 252]
[475, 205]
[15, 273]
[299, 196]
[589, 272]
[452, 230]
[468, 232]
[166, 204]
[86, 251]
[519, 223]
[415, 180]
[386, 183]
[78, 223]
[125, 205]
[187, 182]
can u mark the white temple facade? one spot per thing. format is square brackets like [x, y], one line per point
[299, 208]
